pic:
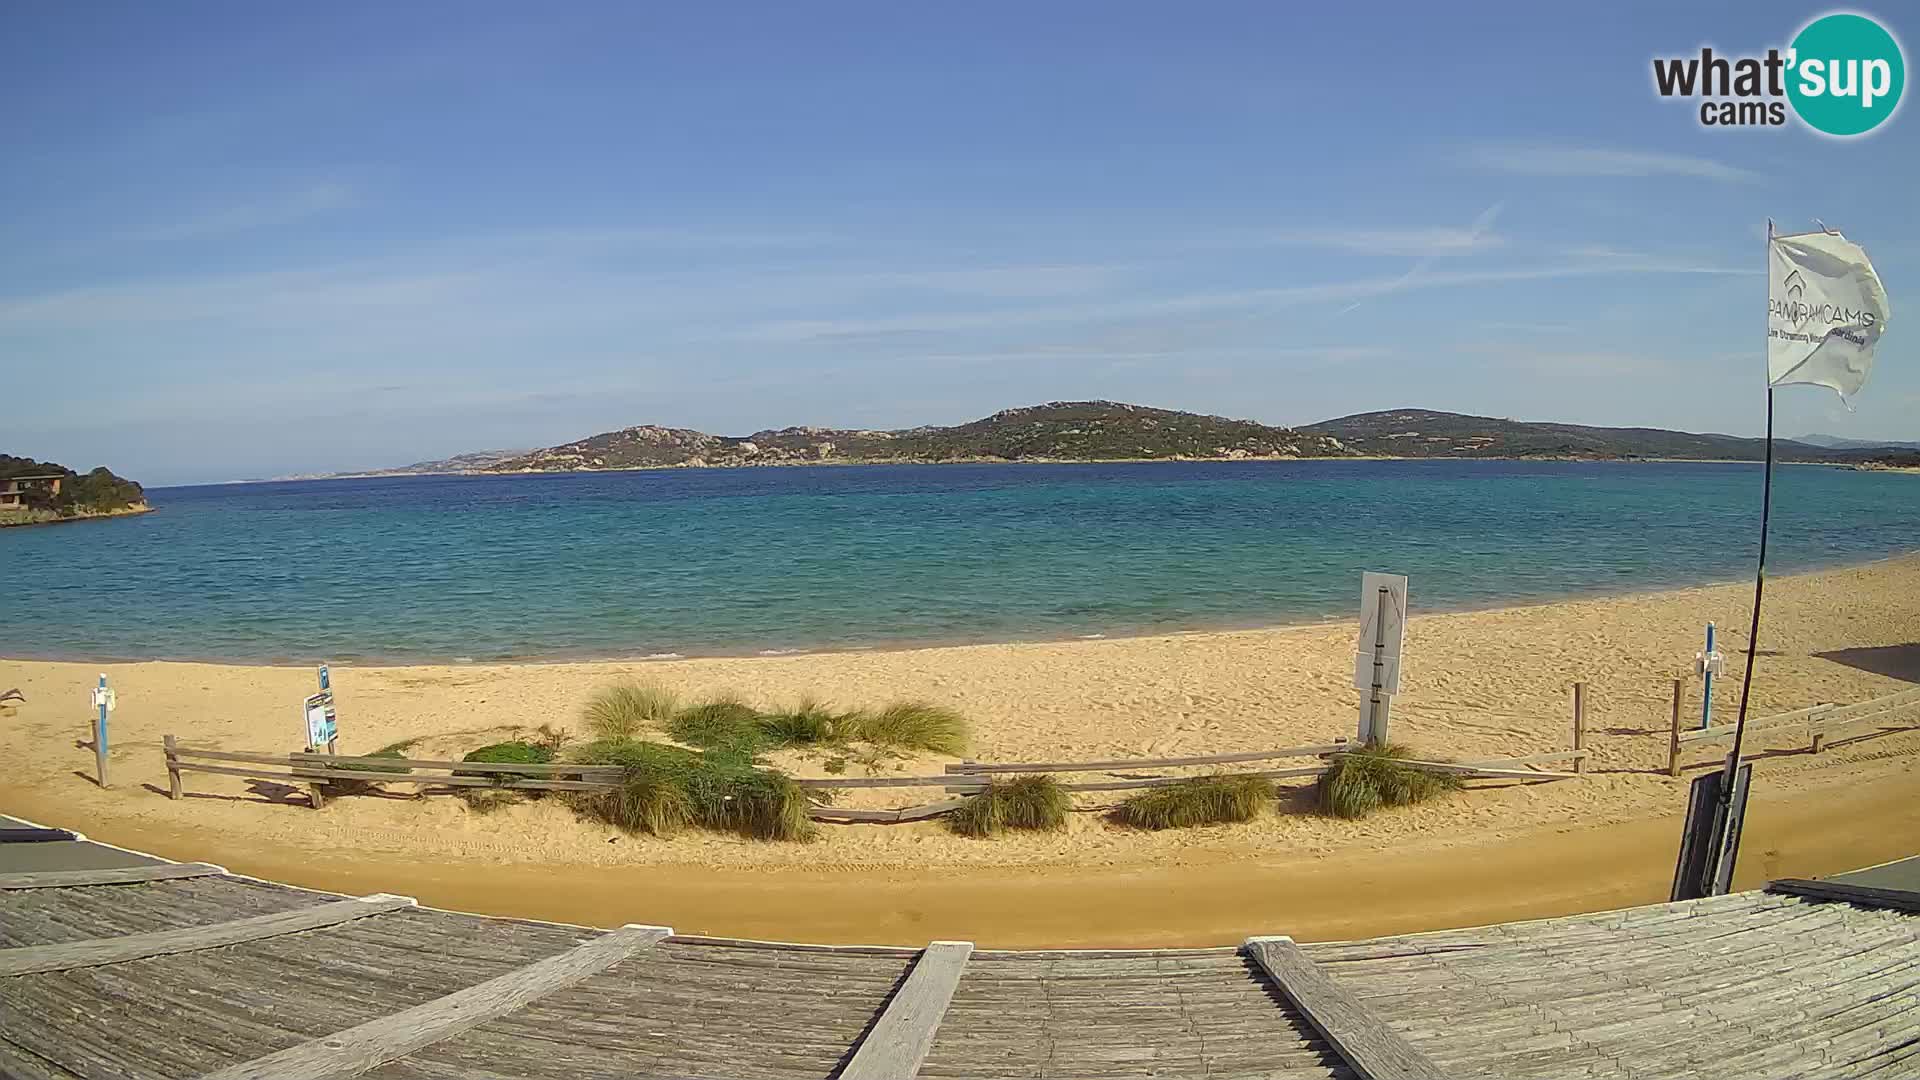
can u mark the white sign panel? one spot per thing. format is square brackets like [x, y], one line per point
[321, 727]
[1388, 636]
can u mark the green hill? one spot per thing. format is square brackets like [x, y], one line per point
[1423, 433]
[1057, 431]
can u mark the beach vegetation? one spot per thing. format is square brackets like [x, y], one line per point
[1035, 802]
[913, 725]
[1201, 800]
[357, 786]
[664, 789]
[624, 710]
[720, 723]
[809, 722]
[1363, 780]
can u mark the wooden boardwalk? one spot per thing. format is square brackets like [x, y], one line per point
[151, 975]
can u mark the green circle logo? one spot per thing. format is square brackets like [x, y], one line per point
[1845, 74]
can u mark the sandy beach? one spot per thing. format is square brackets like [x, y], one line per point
[1479, 685]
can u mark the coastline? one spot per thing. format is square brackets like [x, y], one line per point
[851, 463]
[10, 521]
[1479, 685]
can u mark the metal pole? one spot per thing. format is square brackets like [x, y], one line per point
[1759, 583]
[100, 731]
[1706, 696]
[326, 687]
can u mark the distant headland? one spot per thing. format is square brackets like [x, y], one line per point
[1096, 431]
[42, 492]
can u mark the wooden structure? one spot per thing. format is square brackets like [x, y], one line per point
[260, 980]
[318, 772]
[1819, 723]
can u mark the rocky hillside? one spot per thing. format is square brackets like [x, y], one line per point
[1057, 431]
[1426, 433]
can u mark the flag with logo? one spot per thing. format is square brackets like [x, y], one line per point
[1826, 310]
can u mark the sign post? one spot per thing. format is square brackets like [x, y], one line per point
[322, 725]
[103, 703]
[1376, 658]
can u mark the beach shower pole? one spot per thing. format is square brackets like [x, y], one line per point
[1706, 669]
[1376, 732]
[102, 699]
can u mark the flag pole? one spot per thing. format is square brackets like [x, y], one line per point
[1759, 583]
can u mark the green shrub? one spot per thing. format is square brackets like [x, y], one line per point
[1364, 780]
[357, 786]
[624, 710]
[723, 723]
[500, 753]
[1203, 800]
[809, 722]
[665, 788]
[914, 725]
[1023, 802]
[834, 765]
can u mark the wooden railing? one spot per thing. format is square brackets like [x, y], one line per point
[1820, 722]
[316, 771]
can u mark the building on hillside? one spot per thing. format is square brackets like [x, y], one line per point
[15, 489]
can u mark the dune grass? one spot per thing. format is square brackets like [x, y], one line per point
[720, 723]
[664, 789]
[913, 725]
[1023, 802]
[1202, 800]
[809, 722]
[1364, 780]
[624, 710]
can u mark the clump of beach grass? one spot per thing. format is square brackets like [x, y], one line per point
[1036, 802]
[809, 722]
[1201, 800]
[624, 710]
[1376, 775]
[664, 789]
[719, 723]
[913, 725]
[512, 752]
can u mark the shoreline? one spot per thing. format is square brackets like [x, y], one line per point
[1044, 461]
[67, 519]
[906, 646]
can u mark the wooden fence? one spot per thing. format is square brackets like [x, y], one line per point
[316, 771]
[1819, 722]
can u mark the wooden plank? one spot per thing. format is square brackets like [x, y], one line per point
[1166, 781]
[1725, 731]
[125, 875]
[512, 768]
[966, 782]
[900, 1040]
[1579, 726]
[1531, 759]
[973, 767]
[96, 952]
[1485, 772]
[499, 783]
[1673, 739]
[370, 1045]
[232, 755]
[846, 815]
[1361, 1039]
[1861, 895]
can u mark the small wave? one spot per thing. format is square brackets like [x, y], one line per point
[463, 660]
[664, 656]
[1091, 637]
[779, 652]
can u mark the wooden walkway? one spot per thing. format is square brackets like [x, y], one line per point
[157, 973]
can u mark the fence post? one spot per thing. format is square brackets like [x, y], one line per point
[1673, 739]
[1819, 735]
[173, 768]
[1579, 725]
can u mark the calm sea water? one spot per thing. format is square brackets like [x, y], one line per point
[711, 561]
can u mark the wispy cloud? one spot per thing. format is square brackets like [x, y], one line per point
[1482, 227]
[1433, 242]
[284, 208]
[1565, 159]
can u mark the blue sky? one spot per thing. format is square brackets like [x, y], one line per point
[245, 240]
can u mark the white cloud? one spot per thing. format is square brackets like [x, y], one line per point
[1563, 159]
[1427, 242]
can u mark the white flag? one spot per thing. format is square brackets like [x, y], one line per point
[1826, 311]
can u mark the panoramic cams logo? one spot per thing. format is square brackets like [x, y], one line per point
[1842, 75]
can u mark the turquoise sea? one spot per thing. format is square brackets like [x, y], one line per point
[693, 562]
